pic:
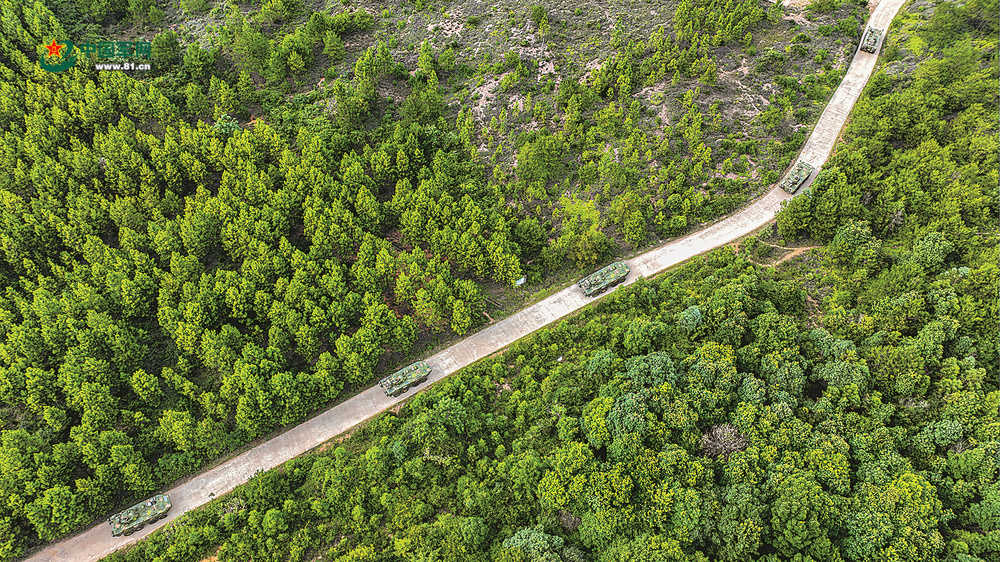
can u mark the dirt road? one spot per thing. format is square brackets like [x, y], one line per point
[97, 542]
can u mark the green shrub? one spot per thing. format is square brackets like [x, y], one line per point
[194, 6]
[279, 10]
[226, 127]
[155, 16]
[788, 83]
[165, 51]
[363, 21]
[799, 50]
[823, 6]
[537, 13]
[848, 26]
[139, 10]
[771, 60]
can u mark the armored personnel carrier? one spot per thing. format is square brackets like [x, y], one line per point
[596, 283]
[870, 42]
[139, 515]
[401, 381]
[795, 178]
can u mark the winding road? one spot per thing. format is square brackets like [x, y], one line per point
[97, 542]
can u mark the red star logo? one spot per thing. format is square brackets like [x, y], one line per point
[54, 49]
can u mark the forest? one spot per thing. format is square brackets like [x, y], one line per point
[196, 256]
[842, 405]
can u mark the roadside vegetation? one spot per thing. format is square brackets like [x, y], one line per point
[194, 257]
[841, 405]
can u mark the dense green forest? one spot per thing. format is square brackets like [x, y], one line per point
[297, 199]
[178, 282]
[842, 405]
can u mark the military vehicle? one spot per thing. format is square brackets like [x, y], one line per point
[596, 283]
[139, 515]
[870, 42]
[795, 178]
[401, 381]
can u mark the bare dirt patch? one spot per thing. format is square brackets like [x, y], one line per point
[785, 254]
[569, 521]
[648, 91]
[812, 310]
[501, 388]
[214, 557]
[390, 88]
[486, 94]
[793, 253]
[589, 68]
[447, 28]
[741, 70]
[798, 18]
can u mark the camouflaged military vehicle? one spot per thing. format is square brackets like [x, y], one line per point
[401, 381]
[139, 515]
[870, 42]
[795, 178]
[596, 283]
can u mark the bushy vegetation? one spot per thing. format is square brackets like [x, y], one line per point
[191, 259]
[714, 413]
[173, 290]
[196, 256]
[841, 406]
